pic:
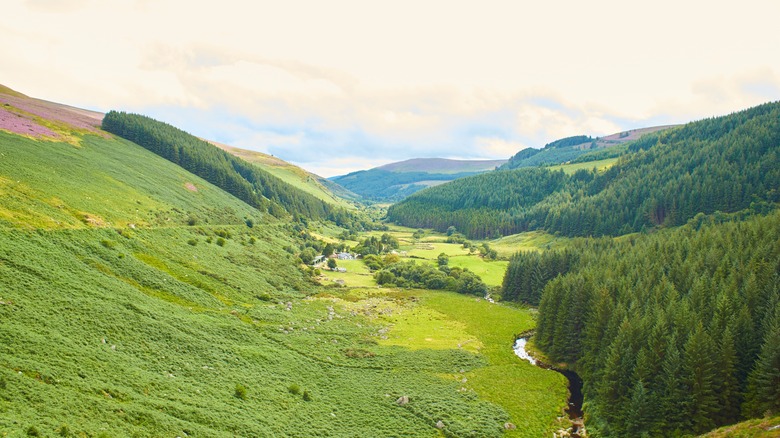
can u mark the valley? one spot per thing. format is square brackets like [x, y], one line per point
[139, 299]
[152, 284]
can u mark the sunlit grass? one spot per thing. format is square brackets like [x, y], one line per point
[600, 166]
[490, 271]
[529, 241]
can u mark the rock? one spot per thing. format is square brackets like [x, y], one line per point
[440, 424]
[402, 400]
[509, 426]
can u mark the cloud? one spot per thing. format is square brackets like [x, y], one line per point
[347, 79]
[57, 6]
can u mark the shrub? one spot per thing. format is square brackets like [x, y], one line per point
[64, 430]
[220, 241]
[33, 431]
[192, 242]
[294, 389]
[306, 396]
[252, 240]
[108, 243]
[240, 392]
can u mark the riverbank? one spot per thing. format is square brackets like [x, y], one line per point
[574, 403]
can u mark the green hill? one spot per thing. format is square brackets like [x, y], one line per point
[322, 188]
[578, 149]
[395, 181]
[721, 164]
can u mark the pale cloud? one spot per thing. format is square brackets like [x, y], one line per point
[498, 147]
[57, 6]
[309, 81]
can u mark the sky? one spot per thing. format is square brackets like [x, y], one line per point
[337, 86]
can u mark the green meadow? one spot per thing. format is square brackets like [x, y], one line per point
[600, 165]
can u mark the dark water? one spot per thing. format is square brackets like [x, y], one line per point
[574, 406]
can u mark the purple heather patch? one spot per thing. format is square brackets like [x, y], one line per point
[74, 117]
[22, 125]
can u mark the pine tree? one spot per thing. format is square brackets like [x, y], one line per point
[763, 395]
[699, 370]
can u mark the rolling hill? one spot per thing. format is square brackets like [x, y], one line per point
[721, 164]
[395, 181]
[139, 299]
[318, 186]
[578, 149]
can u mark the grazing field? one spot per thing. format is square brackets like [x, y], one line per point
[529, 241]
[600, 165]
[491, 271]
[447, 320]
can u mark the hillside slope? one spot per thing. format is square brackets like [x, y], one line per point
[395, 181]
[721, 164]
[580, 148]
[318, 186]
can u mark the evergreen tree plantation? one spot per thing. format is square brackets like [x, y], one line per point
[152, 284]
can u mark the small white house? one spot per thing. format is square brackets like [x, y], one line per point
[345, 256]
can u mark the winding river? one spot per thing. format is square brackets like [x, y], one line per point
[574, 407]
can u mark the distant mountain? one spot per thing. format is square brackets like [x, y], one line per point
[579, 148]
[395, 181]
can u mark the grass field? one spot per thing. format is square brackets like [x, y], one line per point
[529, 395]
[491, 272]
[760, 428]
[600, 166]
[530, 241]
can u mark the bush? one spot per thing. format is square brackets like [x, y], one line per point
[64, 430]
[220, 241]
[192, 242]
[294, 389]
[33, 431]
[240, 392]
[306, 396]
[108, 244]
[252, 240]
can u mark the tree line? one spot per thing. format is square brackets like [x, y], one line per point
[675, 332]
[241, 179]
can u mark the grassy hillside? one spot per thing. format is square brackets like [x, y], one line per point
[322, 188]
[761, 428]
[395, 181]
[137, 299]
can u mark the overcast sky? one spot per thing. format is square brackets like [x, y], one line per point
[337, 86]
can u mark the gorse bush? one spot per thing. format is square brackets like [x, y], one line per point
[240, 392]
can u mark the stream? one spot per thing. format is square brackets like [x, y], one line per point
[574, 406]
